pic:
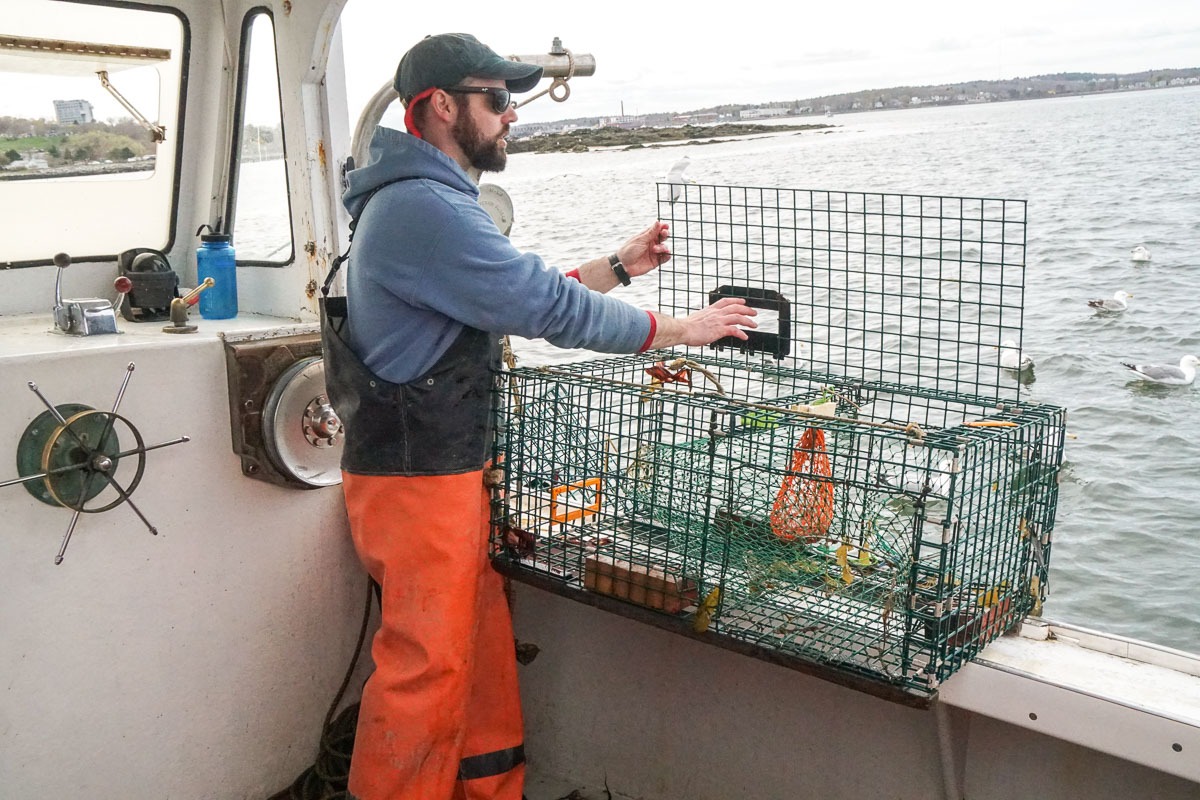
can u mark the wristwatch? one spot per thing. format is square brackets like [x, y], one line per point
[619, 270]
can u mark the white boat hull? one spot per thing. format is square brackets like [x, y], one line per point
[659, 716]
[198, 663]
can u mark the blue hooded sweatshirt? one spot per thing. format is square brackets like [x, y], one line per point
[427, 260]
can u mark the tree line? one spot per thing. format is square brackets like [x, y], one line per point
[60, 143]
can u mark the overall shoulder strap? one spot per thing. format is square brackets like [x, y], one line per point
[337, 262]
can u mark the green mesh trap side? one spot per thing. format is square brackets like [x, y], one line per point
[659, 494]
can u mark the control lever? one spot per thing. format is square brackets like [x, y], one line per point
[86, 316]
[179, 309]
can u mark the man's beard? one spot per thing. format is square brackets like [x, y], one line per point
[482, 154]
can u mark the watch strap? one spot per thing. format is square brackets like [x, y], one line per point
[619, 270]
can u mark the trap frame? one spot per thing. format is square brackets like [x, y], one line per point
[857, 487]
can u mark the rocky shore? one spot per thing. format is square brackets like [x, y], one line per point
[77, 170]
[583, 140]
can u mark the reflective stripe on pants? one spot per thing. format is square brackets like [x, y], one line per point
[440, 716]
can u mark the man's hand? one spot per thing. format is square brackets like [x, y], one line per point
[641, 254]
[726, 317]
[647, 251]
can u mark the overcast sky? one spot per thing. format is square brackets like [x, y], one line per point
[670, 55]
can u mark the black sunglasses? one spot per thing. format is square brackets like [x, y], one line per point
[501, 98]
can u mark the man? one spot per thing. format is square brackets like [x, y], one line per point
[432, 286]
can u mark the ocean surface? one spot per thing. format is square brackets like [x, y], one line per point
[1101, 174]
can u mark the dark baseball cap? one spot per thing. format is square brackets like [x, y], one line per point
[446, 59]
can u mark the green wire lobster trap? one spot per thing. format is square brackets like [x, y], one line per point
[858, 488]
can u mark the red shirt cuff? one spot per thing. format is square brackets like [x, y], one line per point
[575, 274]
[653, 329]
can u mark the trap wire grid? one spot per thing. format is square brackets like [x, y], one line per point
[935, 538]
[859, 486]
[916, 289]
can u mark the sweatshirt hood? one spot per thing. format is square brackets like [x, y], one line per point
[395, 156]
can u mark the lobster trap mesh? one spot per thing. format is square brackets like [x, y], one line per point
[857, 487]
[920, 290]
[935, 538]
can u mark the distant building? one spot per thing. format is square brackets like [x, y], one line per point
[535, 129]
[626, 122]
[73, 112]
[763, 113]
[702, 118]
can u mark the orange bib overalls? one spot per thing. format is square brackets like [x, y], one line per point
[441, 715]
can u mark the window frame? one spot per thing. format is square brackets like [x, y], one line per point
[229, 224]
[184, 69]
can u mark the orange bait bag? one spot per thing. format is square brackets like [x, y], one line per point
[804, 505]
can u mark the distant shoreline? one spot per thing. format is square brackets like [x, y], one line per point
[1042, 87]
[77, 171]
[87, 170]
[584, 140]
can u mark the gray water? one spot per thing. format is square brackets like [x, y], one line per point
[1101, 175]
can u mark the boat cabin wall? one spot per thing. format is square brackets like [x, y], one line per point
[197, 661]
[316, 138]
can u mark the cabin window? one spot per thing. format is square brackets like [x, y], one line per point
[259, 213]
[89, 129]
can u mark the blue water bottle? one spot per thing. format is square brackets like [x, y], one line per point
[215, 259]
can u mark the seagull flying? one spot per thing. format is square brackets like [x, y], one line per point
[1011, 357]
[1139, 255]
[1182, 375]
[676, 179]
[1118, 302]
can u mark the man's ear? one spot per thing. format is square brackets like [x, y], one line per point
[442, 104]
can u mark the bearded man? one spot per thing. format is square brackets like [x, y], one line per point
[431, 289]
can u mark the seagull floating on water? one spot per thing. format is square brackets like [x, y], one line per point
[676, 179]
[1182, 375]
[1139, 254]
[1118, 302]
[1012, 358]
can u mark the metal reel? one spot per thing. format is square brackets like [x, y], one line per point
[71, 454]
[80, 458]
[301, 432]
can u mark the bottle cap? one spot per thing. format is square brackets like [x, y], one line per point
[213, 236]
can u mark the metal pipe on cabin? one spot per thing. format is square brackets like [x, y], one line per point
[558, 65]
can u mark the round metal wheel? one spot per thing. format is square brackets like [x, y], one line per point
[71, 455]
[498, 204]
[81, 459]
[301, 432]
[33, 442]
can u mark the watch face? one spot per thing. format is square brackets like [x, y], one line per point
[498, 204]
